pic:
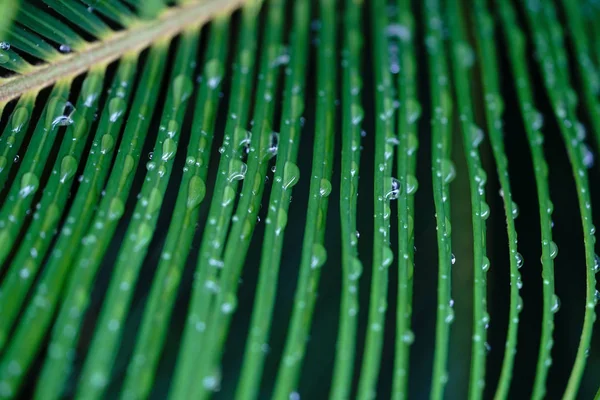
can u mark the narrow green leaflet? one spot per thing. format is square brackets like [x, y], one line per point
[386, 188]
[76, 298]
[155, 323]
[462, 60]
[114, 10]
[314, 254]
[286, 147]
[231, 170]
[553, 64]
[76, 11]
[408, 116]
[14, 134]
[35, 245]
[57, 113]
[115, 189]
[588, 73]
[51, 28]
[31, 44]
[443, 172]
[350, 165]
[494, 107]
[100, 357]
[27, 338]
[533, 125]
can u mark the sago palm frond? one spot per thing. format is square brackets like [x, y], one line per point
[180, 213]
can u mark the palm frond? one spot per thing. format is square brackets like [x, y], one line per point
[252, 199]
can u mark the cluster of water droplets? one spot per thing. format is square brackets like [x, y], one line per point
[18, 120]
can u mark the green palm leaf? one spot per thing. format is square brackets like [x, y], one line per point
[218, 198]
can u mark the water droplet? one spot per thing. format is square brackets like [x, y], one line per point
[452, 258]
[229, 304]
[449, 315]
[485, 266]
[116, 209]
[411, 226]
[447, 226]
[273, 145]
[580, 131]
[553, 250]
[154, 201]
[106, 143]
[355, 269]
[237, 170]
[283, 58]
[485, 210]
[519, 303]
[481, 177]
[519, 260]
[66, 117]
[393, 190]
[29, 184]
[324, 188]
[63, 48]
[408, 337]
[488, 348]
[495, 103]
[4, 56]
[228, 196]
[485, 320]
[514, 211]
[587, 155]
[388, 257]
[412, 184]
[19, 118]
[555, 304]
[68, 168]
[448, 170]
[319, 256]
[465, 54]
[214, 73]
[413, 110]
[90, 89]
[245, 58]
[398, 31]
[387, 211]
[172, 128]
[476, 135]
[128, 165]
[54, 109]
[216, 263]
[357, 114]
[212, 382]
[182, 88]
[116, 108]
[519, 282]
[169, 148]
[196, 192]
[142, 237]
[282, 218]
[536, 120]
[412, 143]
